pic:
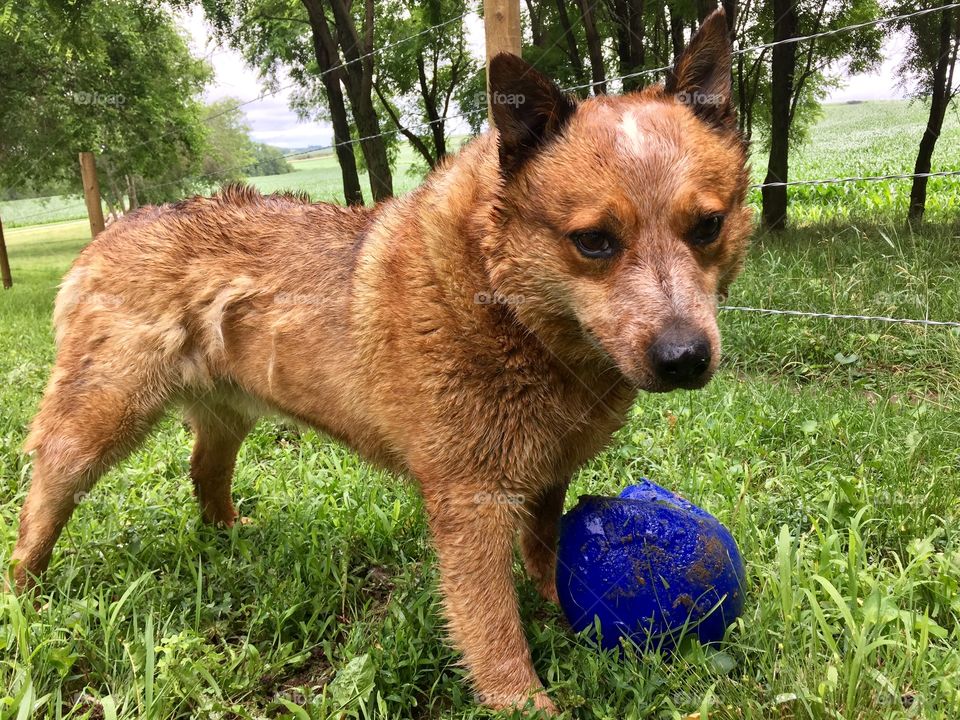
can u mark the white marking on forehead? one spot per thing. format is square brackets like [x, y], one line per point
[641, 133]
[629, 135]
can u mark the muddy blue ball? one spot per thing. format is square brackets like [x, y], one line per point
[649, 566]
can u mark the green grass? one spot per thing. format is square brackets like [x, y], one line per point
[831, 449]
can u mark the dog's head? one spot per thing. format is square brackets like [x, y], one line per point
[621, 220]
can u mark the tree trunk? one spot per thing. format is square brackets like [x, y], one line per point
[536, 24]
[359, 82]
[428, 90]
[4, 261]
[133, 201]
[419, 145]
[730, 9]
[324, 50]
[573, 52]
[939, 99]
[781, 93]
[676, 30]
[661, 31]
[704, 8]
[594, 47]
[636, 33]
[621, 20]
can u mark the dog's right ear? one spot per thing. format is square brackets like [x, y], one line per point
[528, 109]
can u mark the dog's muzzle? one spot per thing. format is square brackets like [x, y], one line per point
[680, 356]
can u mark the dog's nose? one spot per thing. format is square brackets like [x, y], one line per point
[680, 356]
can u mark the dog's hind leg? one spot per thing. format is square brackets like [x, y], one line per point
[219, 430]
[93, 413]
[538, 540]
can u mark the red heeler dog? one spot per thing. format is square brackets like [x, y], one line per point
[483, 335]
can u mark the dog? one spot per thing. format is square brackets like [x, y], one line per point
[483, 335]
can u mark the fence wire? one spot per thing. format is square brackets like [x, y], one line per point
[475, 111]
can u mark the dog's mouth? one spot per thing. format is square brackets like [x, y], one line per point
[660, 385]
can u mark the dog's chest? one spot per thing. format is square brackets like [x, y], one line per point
[530, 425]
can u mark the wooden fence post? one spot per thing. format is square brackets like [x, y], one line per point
[91, 192]
[501, 24]
[4, 261]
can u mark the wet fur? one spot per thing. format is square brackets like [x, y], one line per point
[453, 335]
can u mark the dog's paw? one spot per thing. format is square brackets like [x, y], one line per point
[548, 591]
[542, 702]
[535, 703]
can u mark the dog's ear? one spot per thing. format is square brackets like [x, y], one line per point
[528, 109]
[701, 77]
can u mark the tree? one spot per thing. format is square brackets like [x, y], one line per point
[114, 78]
[594, 46]
[230, 151]
[355, 34]
[359, 69]
[781, 83]
[280, 37]
[628, 16]
[419, 79]
[780, 87]
[929, 66]
[268, 160]
[317, 42]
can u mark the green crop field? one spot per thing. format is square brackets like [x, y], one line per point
[831, 449]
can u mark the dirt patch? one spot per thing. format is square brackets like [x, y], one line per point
[711, 561]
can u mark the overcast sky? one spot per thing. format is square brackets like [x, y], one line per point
[271, 120]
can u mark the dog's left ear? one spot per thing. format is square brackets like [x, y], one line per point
[701, 77]
[528, 109]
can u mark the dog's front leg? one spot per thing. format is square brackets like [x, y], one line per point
[474, 534]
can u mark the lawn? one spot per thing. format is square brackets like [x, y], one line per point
[830, 448]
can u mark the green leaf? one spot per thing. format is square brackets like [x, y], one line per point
[353, 683]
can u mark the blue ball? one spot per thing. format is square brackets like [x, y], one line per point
[650, 566]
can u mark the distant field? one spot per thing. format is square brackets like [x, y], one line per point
[860, 139]
[873, 138]
[37, 211]
[320, 177]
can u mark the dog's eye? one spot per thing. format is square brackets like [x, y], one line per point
[595, 244]
[707, 230]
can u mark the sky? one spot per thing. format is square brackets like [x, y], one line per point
[271, 120]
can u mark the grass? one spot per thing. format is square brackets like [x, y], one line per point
[831, 449]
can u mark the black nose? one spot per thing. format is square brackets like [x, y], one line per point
[681, 356]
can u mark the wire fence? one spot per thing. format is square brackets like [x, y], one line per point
[475, 113]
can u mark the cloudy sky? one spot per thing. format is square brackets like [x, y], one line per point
[271, 121]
